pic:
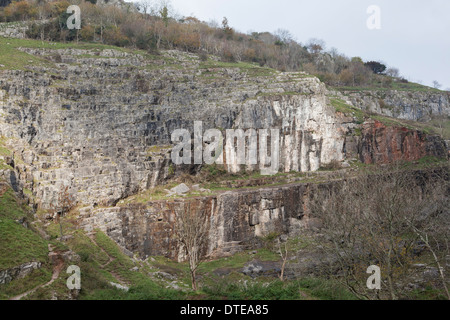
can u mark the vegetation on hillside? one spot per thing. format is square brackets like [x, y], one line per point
[377, 215]
[18, 244]
[102, 262]
[152, 25]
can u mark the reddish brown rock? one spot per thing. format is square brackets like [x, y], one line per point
[381, 144]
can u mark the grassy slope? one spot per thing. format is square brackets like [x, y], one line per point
[13, 59]
[18, 244]
[437, 127]
[102, 261]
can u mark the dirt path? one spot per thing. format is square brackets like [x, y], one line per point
[58, 265]
[57, 268]
[111, 259]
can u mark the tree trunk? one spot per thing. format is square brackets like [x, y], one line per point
[193, 280]
[390, 282]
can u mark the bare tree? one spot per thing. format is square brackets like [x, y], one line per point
[146, 7]
[374, 219]
[284, 36]
[436, 84]
[433, 231]
[428, 242]
[316, 46]
[283, 251]
[192, 232]
[393, 72]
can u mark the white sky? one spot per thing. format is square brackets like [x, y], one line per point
[414, 35]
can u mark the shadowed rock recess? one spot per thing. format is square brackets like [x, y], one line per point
[100, 122]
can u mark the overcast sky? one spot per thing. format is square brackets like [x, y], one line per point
[414, 34]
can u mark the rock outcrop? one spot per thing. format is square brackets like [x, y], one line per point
[235, 219]
[100, 121]
[102, 125]
[18, 272]
[381, 144]
[407, 105]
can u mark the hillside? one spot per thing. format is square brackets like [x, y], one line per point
[88, 178]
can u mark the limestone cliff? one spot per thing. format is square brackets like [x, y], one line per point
[407, 105]
[100, 120]
[236, 218]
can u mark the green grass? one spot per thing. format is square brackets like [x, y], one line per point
[238, 260]
[325, 289]
[251, 69]
[94, 277]
[348, 110]
[158, 149]
[4, 152]
[424, 163]
[275, 290]
[153, 194]
[274, 94]
[112, 249]
[87, 250]
[440, 126]
[393, 122]
[142, 287]
[58, 288]
[31, 281]
[18, 244]
[436, 126]
[410, 86]
[14, 59]
[427, 294]
[306, 289]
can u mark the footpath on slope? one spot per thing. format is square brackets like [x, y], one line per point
[58, 264]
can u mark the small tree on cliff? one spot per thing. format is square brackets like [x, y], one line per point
[64, 204]
[192, 231]
[436, 84]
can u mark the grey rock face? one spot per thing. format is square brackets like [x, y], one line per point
[149, 229]
[180, 189]
[258, 268]
[18, 272]
[100, 122]
[235, 219]
[252, 269]
[13, 29]
[407, 105]
[119, 286]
